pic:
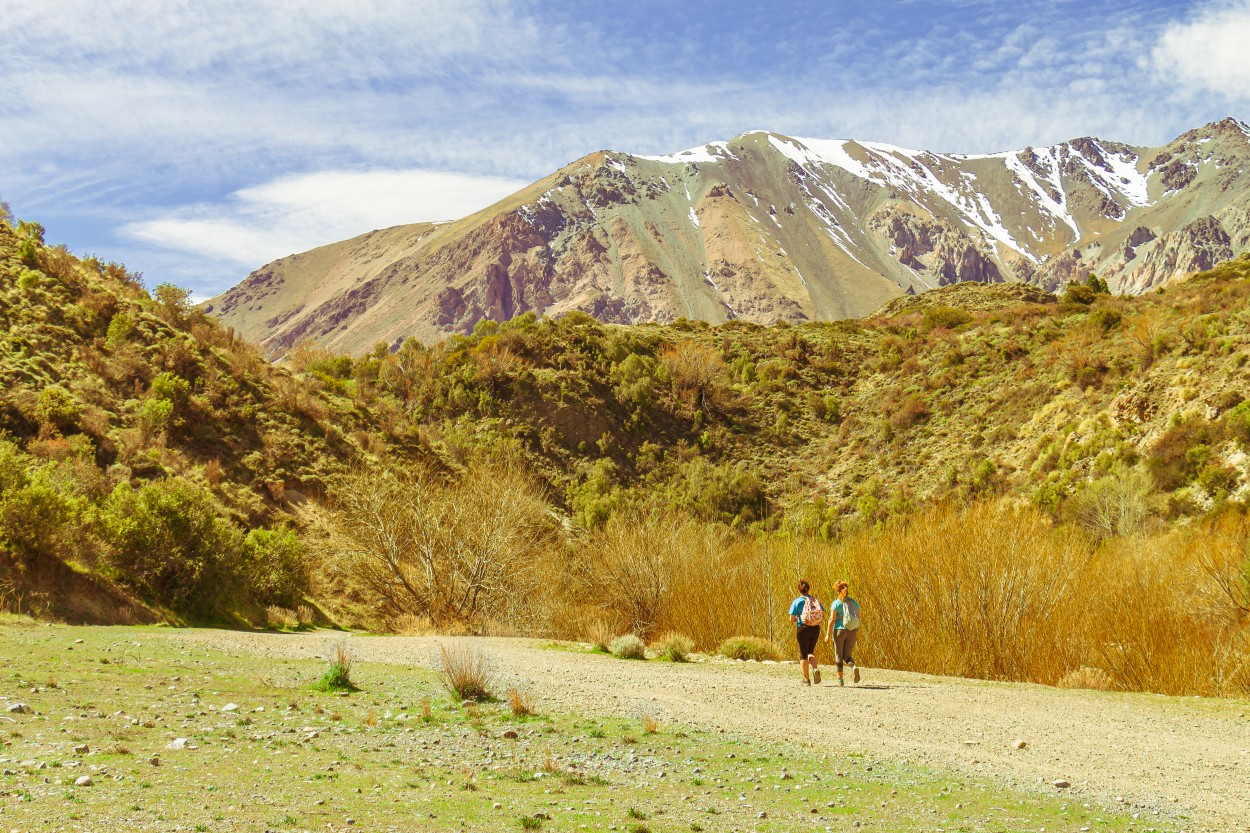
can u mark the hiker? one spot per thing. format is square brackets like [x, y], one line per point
[845, 629]
[807, 614]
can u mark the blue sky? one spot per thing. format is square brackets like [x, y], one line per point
[197, 141]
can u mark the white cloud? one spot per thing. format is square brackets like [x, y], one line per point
[295, 213]
[1209, 52]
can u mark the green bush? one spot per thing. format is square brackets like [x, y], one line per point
[748, 647]
[628, 647]
[949, 318]
[120, 328]
[338, 676]
[676, 647]
[274, 564]
[58, 407]
[168, 541]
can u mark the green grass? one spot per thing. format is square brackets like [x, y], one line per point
[563, 772]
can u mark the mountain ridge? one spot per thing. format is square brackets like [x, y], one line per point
[765, 227]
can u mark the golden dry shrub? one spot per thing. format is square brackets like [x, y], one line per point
[1087, 677]
[454, 553]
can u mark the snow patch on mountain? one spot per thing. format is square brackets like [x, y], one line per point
[711, 152]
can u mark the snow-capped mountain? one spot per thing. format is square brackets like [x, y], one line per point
[766, 227]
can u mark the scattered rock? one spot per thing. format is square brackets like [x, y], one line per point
[761, 814]
[18, 708]
[155, 760]
[1019, 744]
[81, 749]
[510, 735]
[77, 641]
[177, 743]
[496, 806]
[1061, 784]
[230, 707]
[83, 781]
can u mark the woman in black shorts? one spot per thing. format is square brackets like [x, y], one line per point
[807, 614]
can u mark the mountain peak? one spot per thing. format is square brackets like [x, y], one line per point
[767, 226]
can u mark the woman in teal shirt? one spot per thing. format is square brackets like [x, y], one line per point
[845, 629]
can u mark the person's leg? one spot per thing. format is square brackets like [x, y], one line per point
[811, 656]
[851, 638]
[798, 635]
[839, 644]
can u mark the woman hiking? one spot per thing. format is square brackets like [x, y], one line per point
[807, 614]
[845, 629]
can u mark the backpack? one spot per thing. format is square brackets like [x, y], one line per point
[850, 615]
[813, 613]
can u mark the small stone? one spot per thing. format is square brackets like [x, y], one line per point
[1060, 783]
[761, 814]
[510, 735]
[177, 743]
[154, 760]
[83, 781]
[230, 707]
[351, 821]
[77, 641]
[1020, 744]
[18, 708]
[81, 749]
[497, 806]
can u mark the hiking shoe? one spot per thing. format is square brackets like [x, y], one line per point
[806, 681]
[811, 663]
[841, 681]
[856, 678]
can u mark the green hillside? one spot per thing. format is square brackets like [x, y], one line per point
[153, 466]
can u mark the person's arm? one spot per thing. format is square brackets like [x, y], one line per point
[833, 620]
[794, 617]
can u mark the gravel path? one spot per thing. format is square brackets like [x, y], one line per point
[1159, 754]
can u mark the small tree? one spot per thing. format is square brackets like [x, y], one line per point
[444, 551]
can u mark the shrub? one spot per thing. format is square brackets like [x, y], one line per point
[676, 647]
[1086, 677]
[274, 563]
[465, 671]
[948, 318]
[58, 407]
[281, 618]
[519, 704]
[338, 676]
[169, 542]
[628, 647]
[599, 634]
[748, 647]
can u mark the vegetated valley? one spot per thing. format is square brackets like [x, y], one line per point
[1019, 485]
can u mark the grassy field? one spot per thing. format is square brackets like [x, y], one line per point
[401, 755]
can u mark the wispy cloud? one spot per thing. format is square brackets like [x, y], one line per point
[292, 214]
[1208, 53]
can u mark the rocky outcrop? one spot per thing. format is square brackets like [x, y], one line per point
[1194, 248]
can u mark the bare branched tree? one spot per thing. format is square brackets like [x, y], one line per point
[696, 370]
[425, 548]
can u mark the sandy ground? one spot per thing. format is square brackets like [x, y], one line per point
[1168, 755]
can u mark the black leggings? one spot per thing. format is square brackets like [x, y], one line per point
[808, 636]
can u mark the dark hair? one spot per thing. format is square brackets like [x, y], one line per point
[804, 587]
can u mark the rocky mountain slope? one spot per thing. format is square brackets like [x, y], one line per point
[767, 227]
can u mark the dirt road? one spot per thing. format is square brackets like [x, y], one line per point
[1175, 756]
